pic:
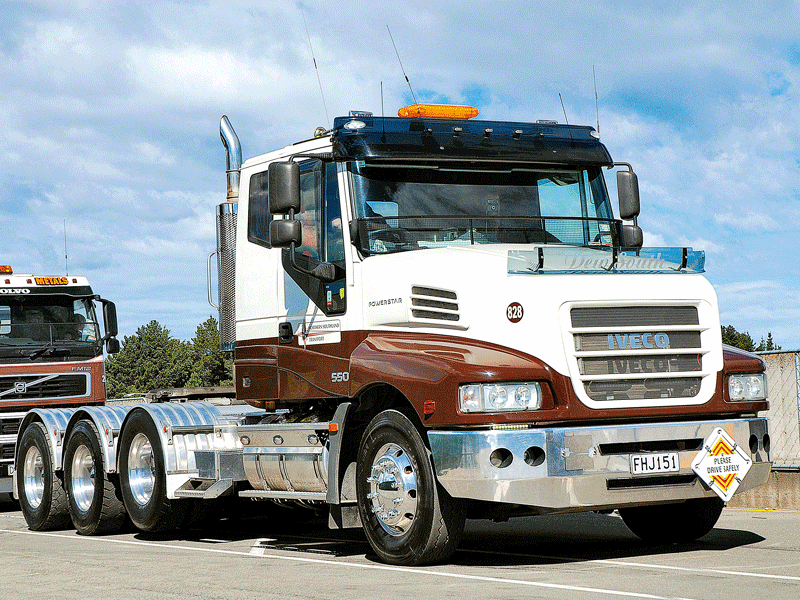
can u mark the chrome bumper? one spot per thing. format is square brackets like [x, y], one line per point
[585, 468]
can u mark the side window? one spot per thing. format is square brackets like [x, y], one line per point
[5, 320]
[311, 212]
[323, 238]
[334, 237]
[258, 215]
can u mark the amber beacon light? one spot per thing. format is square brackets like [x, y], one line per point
[438, 111]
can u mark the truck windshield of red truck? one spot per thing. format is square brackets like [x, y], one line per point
[29, 321]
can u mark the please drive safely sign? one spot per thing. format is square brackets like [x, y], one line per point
[722, 464]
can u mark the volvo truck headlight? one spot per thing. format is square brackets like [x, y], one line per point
[499, 397]
[747, 388]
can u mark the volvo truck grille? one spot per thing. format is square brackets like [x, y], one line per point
[43, 387]
[639, 354]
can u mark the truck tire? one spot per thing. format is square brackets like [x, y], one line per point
[143, 477]
[41, 493]
[673, 523]
[408, 518]
[95, 502]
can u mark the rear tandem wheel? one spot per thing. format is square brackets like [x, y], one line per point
[143, 477]
[95, 501]
[41, 493]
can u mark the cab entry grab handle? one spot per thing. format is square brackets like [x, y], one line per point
[208, 279]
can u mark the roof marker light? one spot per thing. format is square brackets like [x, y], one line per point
[438, 111]
[355, 125]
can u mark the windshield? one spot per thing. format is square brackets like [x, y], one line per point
[36, 321]
[410, 206]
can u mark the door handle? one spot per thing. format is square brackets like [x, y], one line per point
[285, 333]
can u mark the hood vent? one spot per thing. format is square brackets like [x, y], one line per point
[434, 303]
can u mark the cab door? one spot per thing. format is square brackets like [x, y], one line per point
[258, 305]
[313, 356]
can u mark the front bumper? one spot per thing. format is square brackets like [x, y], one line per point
[586, 468]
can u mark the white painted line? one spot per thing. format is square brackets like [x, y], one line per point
[620, 563]
[414, 571]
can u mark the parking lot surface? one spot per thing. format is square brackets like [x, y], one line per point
[750, 554]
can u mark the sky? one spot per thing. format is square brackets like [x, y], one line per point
[109, 123]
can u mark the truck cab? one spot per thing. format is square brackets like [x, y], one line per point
[471, 277]
[51, 351]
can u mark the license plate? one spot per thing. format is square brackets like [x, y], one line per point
[655, 463]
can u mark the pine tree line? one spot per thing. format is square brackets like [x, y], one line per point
[152, 359]
[743, 340]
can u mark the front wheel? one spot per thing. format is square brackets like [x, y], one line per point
[671, 523]
[408, 518]
[143, 477]
[95, 502]
[41, 492]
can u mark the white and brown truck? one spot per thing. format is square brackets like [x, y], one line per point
[434, 318]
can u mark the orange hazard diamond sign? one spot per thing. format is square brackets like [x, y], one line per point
[722, 464]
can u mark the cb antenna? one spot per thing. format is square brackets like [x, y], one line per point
[66, 259]
[401, 65]
[596, 108]
[313, 58]
[562, 108]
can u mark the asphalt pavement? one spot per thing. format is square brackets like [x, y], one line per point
[750, 554]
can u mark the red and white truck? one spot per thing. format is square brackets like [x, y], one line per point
[51, 351]
[434, 318]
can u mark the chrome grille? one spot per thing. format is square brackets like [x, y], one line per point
[636, 354]
[10, 426]
[43, 386]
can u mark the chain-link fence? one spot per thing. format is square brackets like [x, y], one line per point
[783, 384]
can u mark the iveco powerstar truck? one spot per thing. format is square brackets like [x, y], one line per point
[51, 351]
[434, 318]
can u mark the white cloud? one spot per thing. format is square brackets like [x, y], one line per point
[748, 221]
[109, 119]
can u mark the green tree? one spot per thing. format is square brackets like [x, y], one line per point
[211, 366]
[150, 359]
[739, 340]
[768, 344]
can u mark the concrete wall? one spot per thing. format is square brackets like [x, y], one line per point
[782, 491]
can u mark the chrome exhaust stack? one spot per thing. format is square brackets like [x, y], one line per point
[233, 157]
[226, 240]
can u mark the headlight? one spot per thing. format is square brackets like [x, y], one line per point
[747, 388]
[499, 397]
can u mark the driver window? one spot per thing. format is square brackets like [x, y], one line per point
[310, 214]
[334, 237]
[5, 320]
[320, 216]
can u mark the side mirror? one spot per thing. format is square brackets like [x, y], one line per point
[632, 236]
[284, 188]
[110, 318]
[112, 345]
[284, 232]
[628, 192]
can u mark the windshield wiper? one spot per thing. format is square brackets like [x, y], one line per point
[49, 351]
